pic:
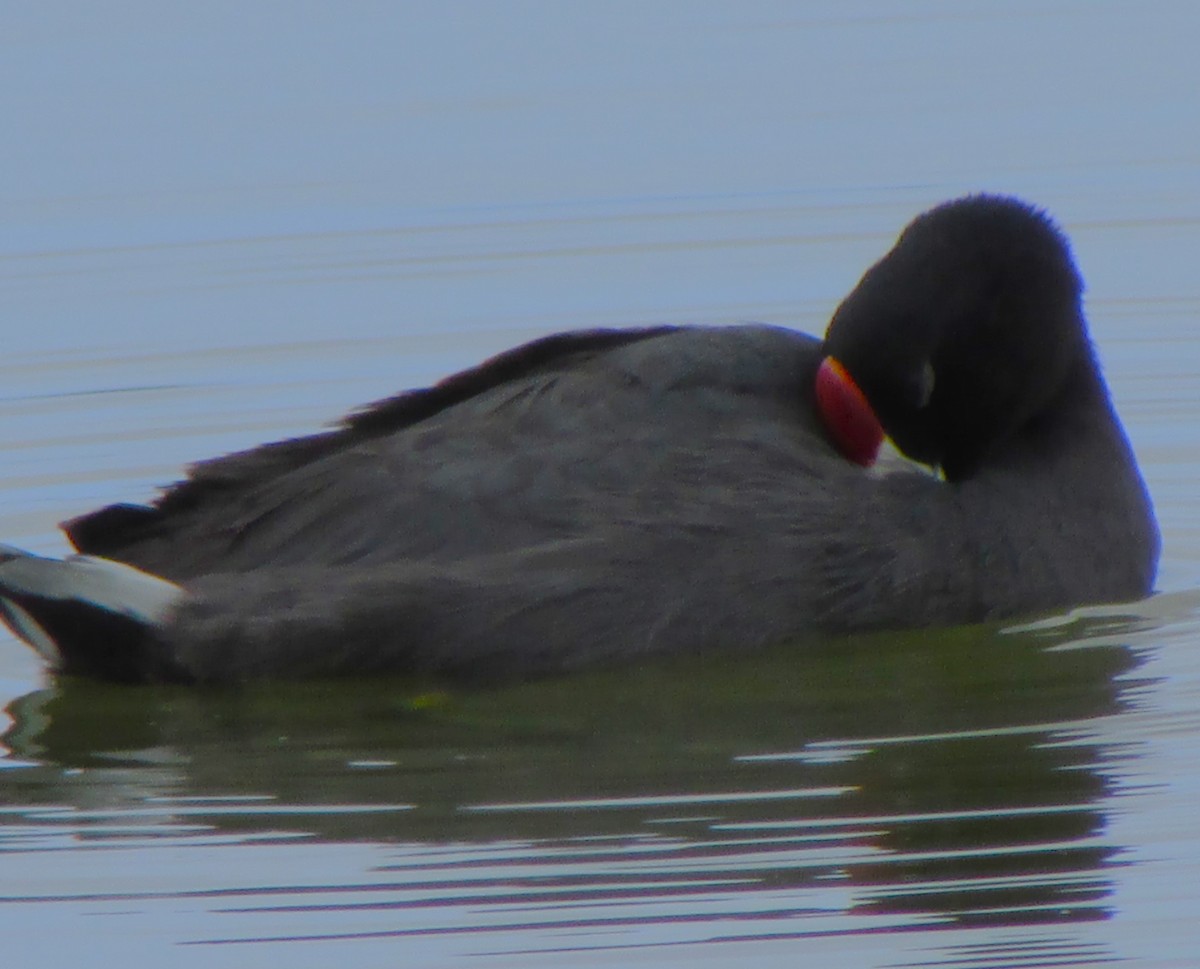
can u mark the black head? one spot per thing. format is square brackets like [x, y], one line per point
[966, 331]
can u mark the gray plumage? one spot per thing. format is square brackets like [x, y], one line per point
[598, 497]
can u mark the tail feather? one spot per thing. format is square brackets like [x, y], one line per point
[85, 614]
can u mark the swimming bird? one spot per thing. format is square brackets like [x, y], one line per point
[603, 496]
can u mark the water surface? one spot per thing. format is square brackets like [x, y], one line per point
[231, 225]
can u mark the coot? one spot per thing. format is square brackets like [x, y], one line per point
[600, 496]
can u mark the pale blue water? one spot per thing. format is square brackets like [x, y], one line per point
[228, 224]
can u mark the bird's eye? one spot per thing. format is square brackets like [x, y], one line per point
[923, 388]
